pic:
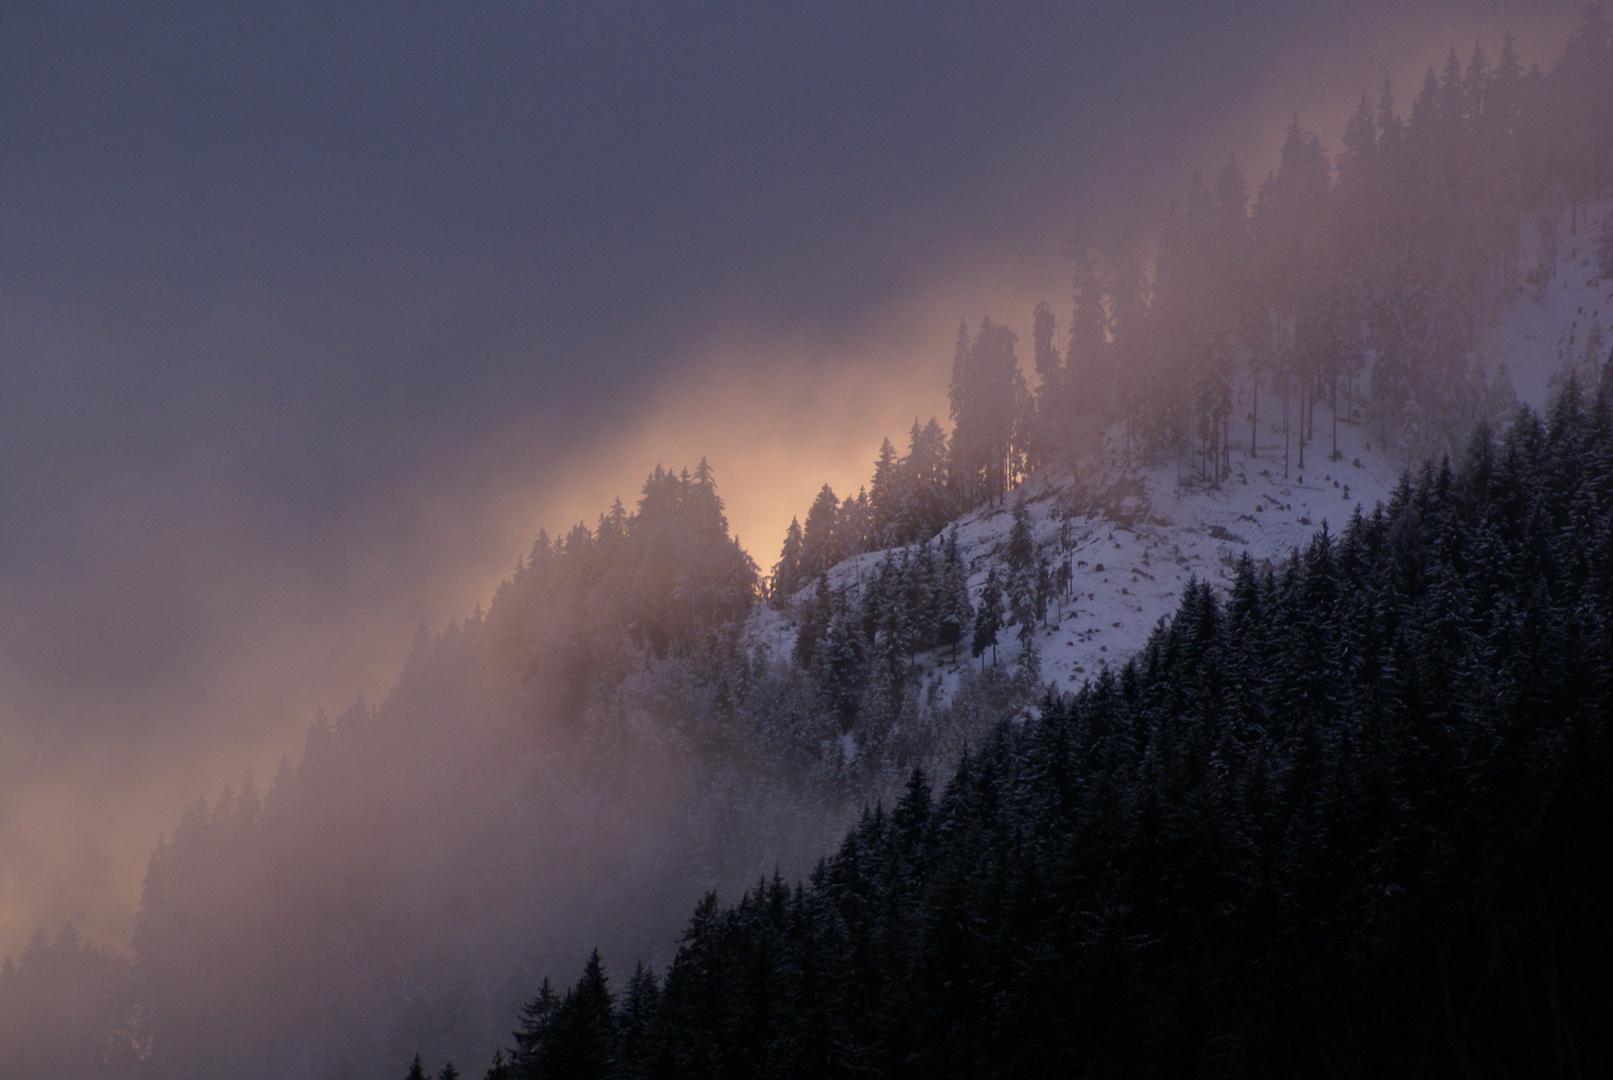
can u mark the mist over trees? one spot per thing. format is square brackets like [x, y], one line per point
[1347, 284]
[1347, 820]
[70, 1011]
[1299, 832]
[564, 767]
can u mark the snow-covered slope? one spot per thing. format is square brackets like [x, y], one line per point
[1135, 536]
[1131, 559]
[1539, 340]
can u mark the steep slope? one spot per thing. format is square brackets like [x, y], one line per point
[627, 727]
[1134, 535]
[1341, 823]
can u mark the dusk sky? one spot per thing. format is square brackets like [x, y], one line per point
[310, 317]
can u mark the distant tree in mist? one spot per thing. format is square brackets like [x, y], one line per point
[1604, 248]
[988, 399]
[926, 501]
[69, 1009]
[1087, 378]
[820, 548]
[788, 572]
[885, 495]
[1051, 395]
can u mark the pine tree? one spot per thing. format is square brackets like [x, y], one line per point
[926, 505]
[1130, 352]
[1087, 380]
[820, 548]
[988, 399]
[636, 1024]
[1051, 394]
[585, 1042]
[787, 572]
[841, 664]
[1309, 816]
[956, 613]
[885, 496]
[1023, 591]
[815, 616]
[536, 1024]
[988, 618]
[852, 527]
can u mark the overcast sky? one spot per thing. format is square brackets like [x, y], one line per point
[311, 314]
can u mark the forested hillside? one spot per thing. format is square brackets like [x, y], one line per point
[1350, 286]
[1336, 817]
[1346, 820]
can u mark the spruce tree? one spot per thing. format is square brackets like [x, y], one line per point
[787, 572]
[988, 618]
[1051, 394]
[988, 399]
[956, 613]
[820, 548]
[885, 495]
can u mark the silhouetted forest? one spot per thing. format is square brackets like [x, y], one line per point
[1348, 820]
[1345, 818]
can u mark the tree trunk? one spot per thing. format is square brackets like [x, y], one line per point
[1254, 419]
[1335, 396]
[1303, 392]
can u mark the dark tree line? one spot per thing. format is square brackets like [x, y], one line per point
[1296, 835]
[1349, 820]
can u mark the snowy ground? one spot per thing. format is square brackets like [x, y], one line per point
[1538, 340]
[1131, 561]
[1142, 533]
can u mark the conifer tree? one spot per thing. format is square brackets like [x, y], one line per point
[926, 505]
[852, 535]
[1086, 382]
[820, 547]
[638, 1012]
[788, 573]
[988, 400]
[885, 496]
[988, 618]
[1052, 396]
[956, 613]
